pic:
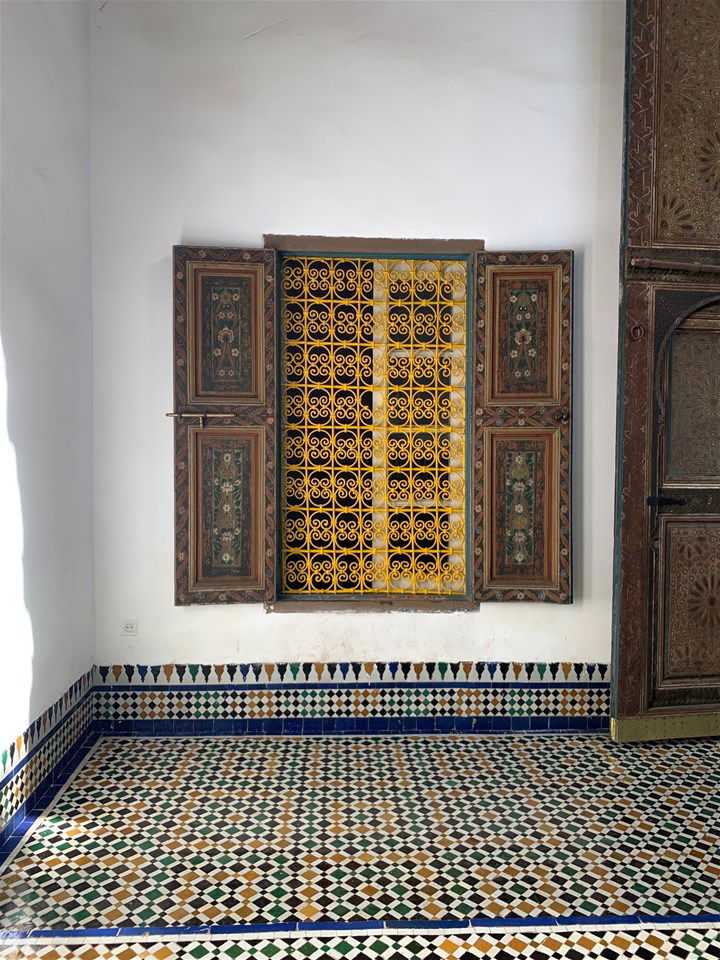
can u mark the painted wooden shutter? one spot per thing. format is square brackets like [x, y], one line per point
[225, 460]
[523, 427]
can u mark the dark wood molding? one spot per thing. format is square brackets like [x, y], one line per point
[290, 243]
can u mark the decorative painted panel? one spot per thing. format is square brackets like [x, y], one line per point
[373, 397]
[522, 426]
[521, 498]
[225, 489]
[225, 331]
[693, 444]
[522, 338]
[226, 522]
[690, 607]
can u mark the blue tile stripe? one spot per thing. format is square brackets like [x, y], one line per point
[579, 921]
[350, 726]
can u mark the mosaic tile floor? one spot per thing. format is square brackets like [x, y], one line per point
[192, 831]
[608, 945]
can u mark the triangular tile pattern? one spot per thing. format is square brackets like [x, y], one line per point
[24, 742]
[350, 672]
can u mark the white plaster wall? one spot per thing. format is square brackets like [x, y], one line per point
[215, 122]
[46, 598]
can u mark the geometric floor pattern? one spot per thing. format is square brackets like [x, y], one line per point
[607, 945]
[225, 830]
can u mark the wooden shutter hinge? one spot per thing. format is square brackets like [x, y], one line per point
[200, 417]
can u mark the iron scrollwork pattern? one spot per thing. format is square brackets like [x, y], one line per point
[373, 448]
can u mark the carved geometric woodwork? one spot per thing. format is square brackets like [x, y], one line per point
[523, 426]
[225, 446]
[693, 399]
[689, 602]
[668, 500]
[673, 148]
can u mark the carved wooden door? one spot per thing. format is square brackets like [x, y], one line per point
[667, 591]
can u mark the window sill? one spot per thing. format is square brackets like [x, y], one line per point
[369, 603]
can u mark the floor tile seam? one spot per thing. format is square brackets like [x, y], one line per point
[384, 933]
[47, 810]
[359, 930]
[429, 735]
[349, 685]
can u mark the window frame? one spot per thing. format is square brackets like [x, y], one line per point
[290, 245]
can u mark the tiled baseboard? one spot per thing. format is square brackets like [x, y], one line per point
[296, 699]
[29, 763]
[485, 673]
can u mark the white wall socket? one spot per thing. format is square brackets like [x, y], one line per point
[130, 628]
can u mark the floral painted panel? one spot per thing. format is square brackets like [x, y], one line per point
[692, 598]
[227, 538]
[520, 492]
[520, 476]
[226, 497]
[523, 410]
[227, 334]
[522, 334]
[224, 403]
[688, 133]
[694, 422]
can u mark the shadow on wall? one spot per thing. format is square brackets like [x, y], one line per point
[45, 335]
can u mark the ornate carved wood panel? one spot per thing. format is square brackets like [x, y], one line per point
[225, 432]
[523, 426]
[689, 603]
[692, 449]
[668, 417]
[673, 173]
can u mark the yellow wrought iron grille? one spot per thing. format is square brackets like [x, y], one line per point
[373, 380]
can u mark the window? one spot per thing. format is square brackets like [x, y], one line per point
[373, 409]
[387, 425]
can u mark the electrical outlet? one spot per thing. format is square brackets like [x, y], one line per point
[130, 628]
